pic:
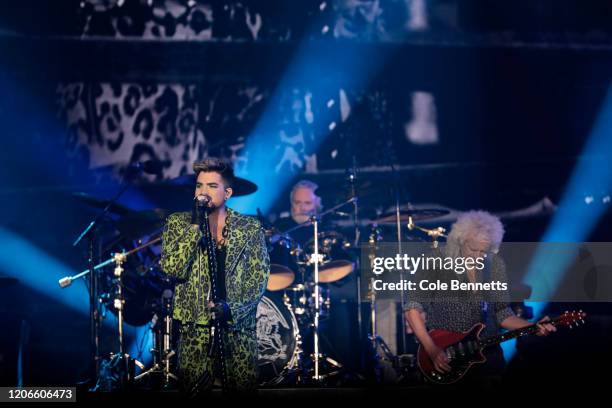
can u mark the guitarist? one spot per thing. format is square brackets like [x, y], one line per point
[474, 234]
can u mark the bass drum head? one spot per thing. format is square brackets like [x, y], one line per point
[277, 341]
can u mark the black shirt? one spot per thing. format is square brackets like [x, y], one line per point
[220, 277]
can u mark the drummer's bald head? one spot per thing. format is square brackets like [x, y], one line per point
[215, 165]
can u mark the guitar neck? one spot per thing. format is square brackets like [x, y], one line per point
[513, 334]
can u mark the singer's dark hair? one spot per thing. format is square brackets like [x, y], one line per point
[215, 165]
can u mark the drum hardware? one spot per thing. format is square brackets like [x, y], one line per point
[326, 253]
[121, 360]
[332, 367]
[300, 299]
[334, 260]
[315, 258]
[118, 301]
[379, 347]
[434, 233]
[122, 364]
[162, 350]
[67, 280]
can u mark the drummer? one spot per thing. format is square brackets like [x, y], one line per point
[304, 204]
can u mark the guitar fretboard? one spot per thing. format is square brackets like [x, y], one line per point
[513, 334]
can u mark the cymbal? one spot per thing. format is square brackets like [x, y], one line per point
[241, 187]
[100, 203]
[419, 214]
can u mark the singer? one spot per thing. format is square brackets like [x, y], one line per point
[242, 270]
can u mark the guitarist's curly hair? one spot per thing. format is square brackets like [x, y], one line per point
[474, 223]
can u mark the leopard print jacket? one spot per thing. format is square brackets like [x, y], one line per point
[247, 268]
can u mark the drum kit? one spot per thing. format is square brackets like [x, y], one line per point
[131, 284]
[282, 321]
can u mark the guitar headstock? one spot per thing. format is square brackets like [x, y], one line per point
[570, 319]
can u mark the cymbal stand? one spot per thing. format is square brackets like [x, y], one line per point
[162, 366]
[118, 303]
[316, 259]
[434, 233]
[315, 223]
[376, 342]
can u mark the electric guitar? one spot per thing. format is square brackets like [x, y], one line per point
[465, 349]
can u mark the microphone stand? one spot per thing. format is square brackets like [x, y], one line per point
[217, 330]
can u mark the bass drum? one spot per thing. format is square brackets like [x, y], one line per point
[278, 339]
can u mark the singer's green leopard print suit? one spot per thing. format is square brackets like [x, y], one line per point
[247, 268]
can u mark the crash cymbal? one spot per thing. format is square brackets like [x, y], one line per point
[419, 214]
[242, 187]
[99, 203]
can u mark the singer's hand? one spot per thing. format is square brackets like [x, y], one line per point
[197, 212]
[220, 311]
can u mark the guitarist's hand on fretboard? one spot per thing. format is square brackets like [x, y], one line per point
[545, 328]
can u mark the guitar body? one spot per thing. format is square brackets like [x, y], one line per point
[461, 350]
[465, 349]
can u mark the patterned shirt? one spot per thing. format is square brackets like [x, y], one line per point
[461, 310]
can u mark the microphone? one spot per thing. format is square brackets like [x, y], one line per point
[203, 200]
[65, 281]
